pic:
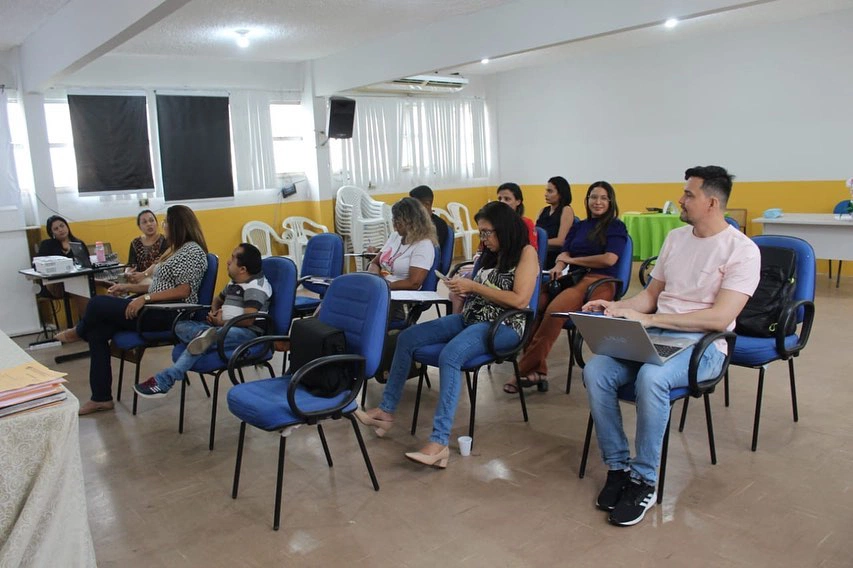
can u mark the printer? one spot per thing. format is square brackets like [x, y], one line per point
[49, 265]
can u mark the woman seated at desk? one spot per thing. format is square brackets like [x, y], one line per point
[176, 279]
[146, 249]
[58, 243]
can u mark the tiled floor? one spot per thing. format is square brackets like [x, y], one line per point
[158, 498]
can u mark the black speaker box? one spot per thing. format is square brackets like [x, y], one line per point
[341, 117]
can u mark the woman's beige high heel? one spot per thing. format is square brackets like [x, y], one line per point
[380, 426]
[438, 460]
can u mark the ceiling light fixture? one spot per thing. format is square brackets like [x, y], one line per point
[242, 38]
[484, 60]
[670, 23]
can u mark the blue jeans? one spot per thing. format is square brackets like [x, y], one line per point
[463, 343]
[604, 375]
[186, 332]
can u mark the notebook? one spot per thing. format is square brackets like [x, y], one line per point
[627, 339]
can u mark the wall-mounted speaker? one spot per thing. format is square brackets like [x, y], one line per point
[341, 117]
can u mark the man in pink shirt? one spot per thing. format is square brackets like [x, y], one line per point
[703, 277]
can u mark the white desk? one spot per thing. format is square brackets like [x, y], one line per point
[43, 517]
[831, 238]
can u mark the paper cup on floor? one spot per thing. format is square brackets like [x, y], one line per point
[465, 445]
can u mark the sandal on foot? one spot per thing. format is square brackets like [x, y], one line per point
[510, 388]
[540, 382]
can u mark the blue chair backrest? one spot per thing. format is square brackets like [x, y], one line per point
[280, 272]
[806, 265]
[430, 283]
[324, 258]
[208, 286]
[447, 254]
[624, 265]
[841, 207]
[541, 246]
[733, 223]
[358, 304]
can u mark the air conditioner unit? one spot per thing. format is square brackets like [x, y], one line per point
[420, 84]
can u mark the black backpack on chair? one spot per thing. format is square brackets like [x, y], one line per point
[311, 339]
[761, 314]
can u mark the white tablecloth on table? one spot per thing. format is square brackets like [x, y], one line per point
[43, 517]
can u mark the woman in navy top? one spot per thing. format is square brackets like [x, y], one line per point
[557, 217]
[594, 243]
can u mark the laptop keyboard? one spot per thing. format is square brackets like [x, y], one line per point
[666, 350]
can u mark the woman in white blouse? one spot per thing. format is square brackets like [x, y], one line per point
[407, 256]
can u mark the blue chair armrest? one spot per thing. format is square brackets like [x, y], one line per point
[789, 314]
[697, 389]
[493, 331]
[350, 360]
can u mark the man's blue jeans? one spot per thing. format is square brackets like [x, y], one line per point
[463, 343]
[186, 332]
[604, 375]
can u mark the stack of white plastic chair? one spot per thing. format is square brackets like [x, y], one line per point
[297, 231]
[261, 235]
[462, 227]
[360, 220]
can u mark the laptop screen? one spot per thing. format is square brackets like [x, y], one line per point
[81, 255]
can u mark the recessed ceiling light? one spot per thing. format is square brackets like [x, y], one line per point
[670, 23]
[484, 60]
[242, 38]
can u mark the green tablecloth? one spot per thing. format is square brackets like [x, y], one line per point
[648, 230]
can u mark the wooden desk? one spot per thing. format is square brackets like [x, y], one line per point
[43, 516]
[831, 238]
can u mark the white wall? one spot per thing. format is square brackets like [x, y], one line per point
[769, 103]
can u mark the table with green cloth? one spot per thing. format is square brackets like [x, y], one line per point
[648, 230]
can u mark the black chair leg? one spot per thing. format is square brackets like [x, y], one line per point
[838, 275]
[278, 482]
[793, 389]
[586, 441]
[364, 452]
[830, 270]
[711, 446]
[183, 398]
[520, 390]
[571, 362]
[239, 460]
[664, 451]
[472, 392]
[204, 383]
[363, 393]
[136, 380]
[120, 376]
[325, 444]
[418, 400]
[757, 408]
[726, 387]
[270, 369]
[683, 414]
[426, 379]
[213, 409]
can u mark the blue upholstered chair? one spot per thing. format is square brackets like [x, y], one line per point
[131, 345]
[356, 303]
[323, 258]
[428, 356]
[733, 222]
[280, 272]
[840, 207]
[622, 282]
[758, 352]
[694, 389]
[542, 249]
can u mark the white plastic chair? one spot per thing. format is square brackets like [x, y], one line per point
[261, 235]
[297, 231]
[462, 227]
[360, 220]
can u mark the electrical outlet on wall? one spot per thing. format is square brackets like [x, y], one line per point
[143, 202]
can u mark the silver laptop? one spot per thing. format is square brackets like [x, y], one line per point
[627, 339]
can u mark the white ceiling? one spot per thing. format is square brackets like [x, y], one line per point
[302, 30]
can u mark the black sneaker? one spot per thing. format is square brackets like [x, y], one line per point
[149, 389]
[637, 498]
[202, 341]
[609, 496]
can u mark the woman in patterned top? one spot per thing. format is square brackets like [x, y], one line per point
[145, 249]
[176, 279]
[509, 268]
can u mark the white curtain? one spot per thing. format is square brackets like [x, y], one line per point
[252, 133]
[10, 192]
[372, 155]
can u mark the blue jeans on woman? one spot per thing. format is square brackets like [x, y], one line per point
[186, 332]
[604, 375]
[463, 343]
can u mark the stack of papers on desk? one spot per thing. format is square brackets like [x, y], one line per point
[29, 385]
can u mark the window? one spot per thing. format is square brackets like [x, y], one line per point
[61, 143]
[20, 147]
[288, 147]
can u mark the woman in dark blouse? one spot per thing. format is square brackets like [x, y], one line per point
[594, 243]
[58, 243]
[557, 217]
[145, 249]
[177, 278]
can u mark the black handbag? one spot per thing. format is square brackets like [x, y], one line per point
[568, 280]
